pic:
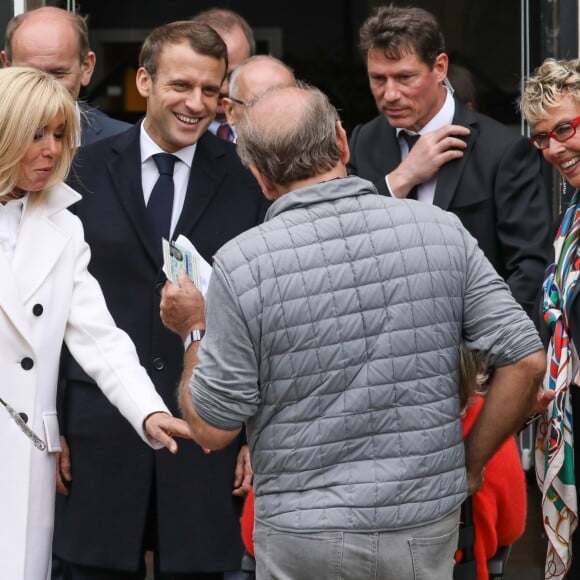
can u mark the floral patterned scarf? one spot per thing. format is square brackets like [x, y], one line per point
[555, 437]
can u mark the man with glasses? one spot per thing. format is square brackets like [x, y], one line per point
[426, 145]
[57, 42]
[250, 79]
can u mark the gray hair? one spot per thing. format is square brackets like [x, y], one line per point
[286, 152]
[546, 86]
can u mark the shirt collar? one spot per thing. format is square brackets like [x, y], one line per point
[16, 206]
[443, 117]
[149, 148]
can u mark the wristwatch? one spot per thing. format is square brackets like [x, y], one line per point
[194, 336]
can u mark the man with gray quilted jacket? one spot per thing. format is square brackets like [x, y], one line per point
[333, 333]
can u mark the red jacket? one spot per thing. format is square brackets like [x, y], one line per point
[499, 507]
[247, 522]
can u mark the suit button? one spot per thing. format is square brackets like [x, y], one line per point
[158, 364]
[159, 287]
[24, 417]
[37, 309]
[26, 363]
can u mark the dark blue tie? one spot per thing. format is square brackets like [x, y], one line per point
[161, 200]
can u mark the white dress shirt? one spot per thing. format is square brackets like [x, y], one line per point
[10, 218]
[150, 173]
[426, 191]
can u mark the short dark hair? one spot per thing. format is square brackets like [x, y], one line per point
[396, 30]
[78, 22]
[202, 38]
[222, 19]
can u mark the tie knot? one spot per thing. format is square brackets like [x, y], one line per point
[165, 163]
[224, 132]
[410, 138]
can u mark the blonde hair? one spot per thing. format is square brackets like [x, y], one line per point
[546, 86]
[29, 100]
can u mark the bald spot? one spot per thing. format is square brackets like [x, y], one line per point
[44, 31]
[260, 75]
[277, 111]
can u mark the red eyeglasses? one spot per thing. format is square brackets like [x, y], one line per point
[561, 133]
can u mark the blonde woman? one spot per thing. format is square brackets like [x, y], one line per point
[47, 296]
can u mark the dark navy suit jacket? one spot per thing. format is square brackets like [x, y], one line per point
[96, 125]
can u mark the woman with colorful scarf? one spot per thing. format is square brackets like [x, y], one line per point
[551, 104]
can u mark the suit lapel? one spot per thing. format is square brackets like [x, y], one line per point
[449, 174]
[386, 152]
[39, 246]
[205, 177]
[10, 300]
[125, 172]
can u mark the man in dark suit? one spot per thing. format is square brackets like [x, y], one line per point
[57, 42]
[426, 145]
[122, 499]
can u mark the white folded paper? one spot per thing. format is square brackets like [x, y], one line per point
[182, 255]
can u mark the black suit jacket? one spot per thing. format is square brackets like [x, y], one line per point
[114, 474]
[495, 189]
[96, 125]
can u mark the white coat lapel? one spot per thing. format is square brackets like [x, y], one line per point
[40, 241]
[10, 299]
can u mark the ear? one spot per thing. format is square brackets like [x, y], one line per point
[228, 107]
[4, 59]
[88, 66]
[342, 142]
[440, 67]
[269, 190]
[144, 82]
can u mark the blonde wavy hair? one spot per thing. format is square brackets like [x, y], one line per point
[546, 86]
[29, 100]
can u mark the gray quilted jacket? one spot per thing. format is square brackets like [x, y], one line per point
[333, 330]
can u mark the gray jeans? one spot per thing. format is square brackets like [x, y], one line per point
[421, 553]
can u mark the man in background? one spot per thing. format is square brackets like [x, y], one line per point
[333, 332]
[251, 78]
[426, 145]
[56, 41]
[239, 39]
[163, 177]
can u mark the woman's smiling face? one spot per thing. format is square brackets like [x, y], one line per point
[564, 156]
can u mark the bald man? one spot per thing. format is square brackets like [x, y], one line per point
[56, 41]
[332, 333]
[250, 79]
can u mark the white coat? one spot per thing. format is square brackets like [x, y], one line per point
[47, 295]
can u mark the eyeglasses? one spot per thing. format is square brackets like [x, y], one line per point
[561, 133]
[242, 103]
